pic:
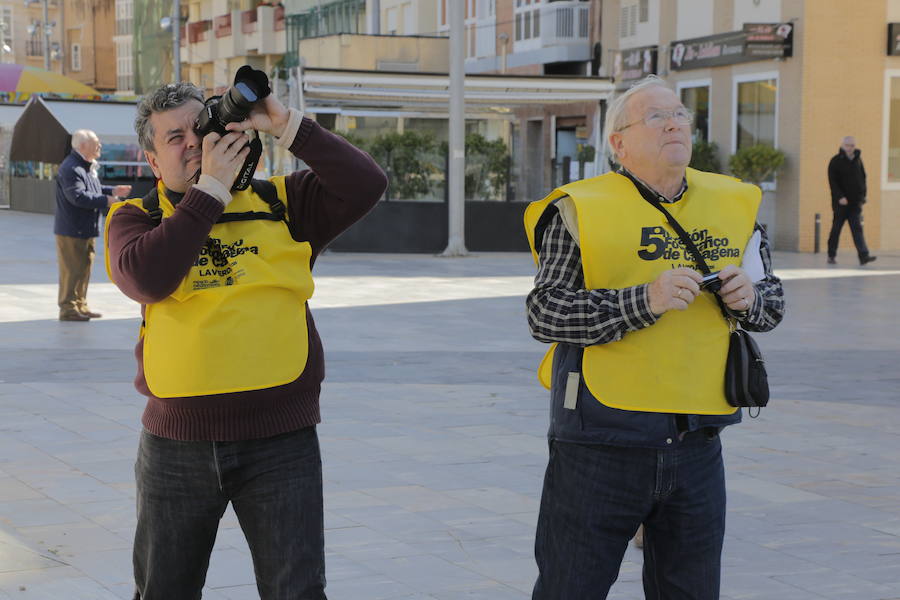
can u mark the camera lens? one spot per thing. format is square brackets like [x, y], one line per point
[237, 103]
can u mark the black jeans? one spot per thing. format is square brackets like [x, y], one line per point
[594, 499]
[275, 487]
[850, 213]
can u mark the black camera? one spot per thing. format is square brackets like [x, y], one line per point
[250, 86]
[711, 282]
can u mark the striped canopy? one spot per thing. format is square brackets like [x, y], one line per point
[21, 81]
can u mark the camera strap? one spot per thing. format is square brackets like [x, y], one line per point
[651, 198]
[264, 189]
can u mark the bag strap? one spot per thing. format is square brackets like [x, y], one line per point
[263, 188]
[150, 202]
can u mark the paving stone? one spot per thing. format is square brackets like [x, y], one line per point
[433, 436]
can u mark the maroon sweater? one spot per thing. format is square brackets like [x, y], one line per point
[148, 263]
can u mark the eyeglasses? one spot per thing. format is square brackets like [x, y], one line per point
[658, 118]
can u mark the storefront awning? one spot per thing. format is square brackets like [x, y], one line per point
[43, 130]
[336, 90]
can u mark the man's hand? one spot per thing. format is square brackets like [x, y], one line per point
[121, 191]
[269, 116]
[223, 156]
[674, 289]
[842, 201]
[110, 200]
[737, 290]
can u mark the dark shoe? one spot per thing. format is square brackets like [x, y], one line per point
[74, 317]
[90, 314]
[866, 260]
[831, 260]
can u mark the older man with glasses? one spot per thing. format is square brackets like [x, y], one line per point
[636, 371]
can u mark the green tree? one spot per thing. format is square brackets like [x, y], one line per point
[585, 153]
[487, 164]
[407, 158]
[756, 164]
[705, 157]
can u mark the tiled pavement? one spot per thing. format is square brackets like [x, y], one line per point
[433, 435]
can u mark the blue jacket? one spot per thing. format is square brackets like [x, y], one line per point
[591, 422]
[79, 198]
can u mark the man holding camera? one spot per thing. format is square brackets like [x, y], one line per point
[637, 370]
[228, 355]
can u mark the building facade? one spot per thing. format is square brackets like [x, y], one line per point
[23, 31]
[123, 41]
[89, 49]
[798, 75]
[222, 35]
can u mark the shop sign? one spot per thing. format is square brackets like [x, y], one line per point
[635, 63]
[756, 41]
[769, 40]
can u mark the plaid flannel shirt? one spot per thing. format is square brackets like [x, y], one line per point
[561, 310]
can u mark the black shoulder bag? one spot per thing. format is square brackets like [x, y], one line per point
[746, 381]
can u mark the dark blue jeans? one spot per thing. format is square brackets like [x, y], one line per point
[594, 499]
[275, 487]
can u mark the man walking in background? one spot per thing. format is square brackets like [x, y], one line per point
[79, 198]
[847, 179]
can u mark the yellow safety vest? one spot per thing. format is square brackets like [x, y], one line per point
[676, 365]
[237, 321]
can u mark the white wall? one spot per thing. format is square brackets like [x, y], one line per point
[893, 11]
[694, 18]
[763, 11]
[644, 34]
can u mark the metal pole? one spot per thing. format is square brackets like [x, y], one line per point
[456, 205]
[818, 233]
[46, 26]
[176, 40]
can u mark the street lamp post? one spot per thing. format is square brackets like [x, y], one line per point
[456, 201]
[46, 29]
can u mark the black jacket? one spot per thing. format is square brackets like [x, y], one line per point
[79, 198]
[847, 178]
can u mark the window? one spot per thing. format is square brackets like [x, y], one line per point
[628, 20]
[6, 29]
[527, 19]
[392, 21]
[696, 99]
[755, 122]
[644, 10]
[893, 142]
[75, 53]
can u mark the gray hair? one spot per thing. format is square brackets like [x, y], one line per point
[617, 113]
[167, 97]
[81, 136]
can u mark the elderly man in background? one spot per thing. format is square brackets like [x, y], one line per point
[79, 199]
[637, 373]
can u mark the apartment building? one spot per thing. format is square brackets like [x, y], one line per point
[795, 74]
[89, 50]
[221, 35]
[23, 28]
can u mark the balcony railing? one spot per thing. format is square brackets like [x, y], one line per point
[236, 34]
[222, 25]
[565, 23]
[124, 26]
[198, 31]
[34, 48]
[248, 21]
